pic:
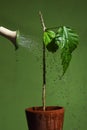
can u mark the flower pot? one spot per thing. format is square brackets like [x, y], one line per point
[50, 119]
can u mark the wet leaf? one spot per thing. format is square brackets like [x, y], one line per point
[64, 39]
[67, 41]
[48, 37]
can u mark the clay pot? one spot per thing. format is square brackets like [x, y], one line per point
[50, 119]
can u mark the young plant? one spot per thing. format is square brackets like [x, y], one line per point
[63, 38]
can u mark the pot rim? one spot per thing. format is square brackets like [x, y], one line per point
[38, 109]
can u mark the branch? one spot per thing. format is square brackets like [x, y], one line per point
[42, 21]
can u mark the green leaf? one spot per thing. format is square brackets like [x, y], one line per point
[66, 58]
[48, 37]
[51, 34]
[52, 47]
[67, 40]
[49, 41]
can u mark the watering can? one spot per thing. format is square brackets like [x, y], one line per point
[10, 35]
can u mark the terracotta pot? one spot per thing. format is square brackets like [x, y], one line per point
[50, 119]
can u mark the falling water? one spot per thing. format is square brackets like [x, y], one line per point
[31, 44]
[26, 41]
[53, 61]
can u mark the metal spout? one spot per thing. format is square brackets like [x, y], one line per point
[10, 35]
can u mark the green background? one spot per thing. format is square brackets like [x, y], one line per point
[20, 71]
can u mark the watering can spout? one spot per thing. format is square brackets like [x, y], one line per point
[10, 35]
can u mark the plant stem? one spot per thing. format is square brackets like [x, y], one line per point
[44, 67]
[44, 79]
[42, 21]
